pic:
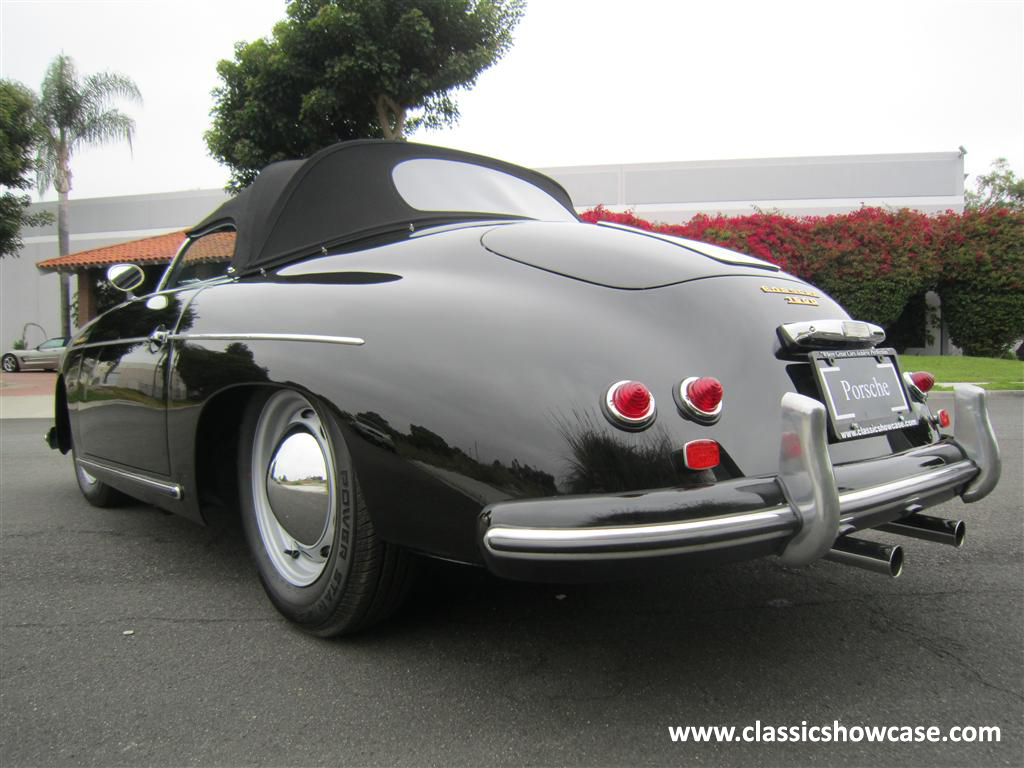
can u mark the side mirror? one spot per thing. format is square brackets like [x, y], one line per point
[126, 277]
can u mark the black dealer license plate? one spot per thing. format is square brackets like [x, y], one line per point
[863, 392]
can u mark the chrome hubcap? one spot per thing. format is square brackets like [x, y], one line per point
[293, 488]
[9, 364]
[297, 487]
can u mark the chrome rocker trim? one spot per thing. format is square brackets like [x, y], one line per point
[806, 527]
[168, 489]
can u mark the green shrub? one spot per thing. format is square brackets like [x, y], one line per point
[873, 261]
[982, 286]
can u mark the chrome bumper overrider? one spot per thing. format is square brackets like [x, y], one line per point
[812, 513]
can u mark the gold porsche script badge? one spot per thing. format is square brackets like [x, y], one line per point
[793, 295]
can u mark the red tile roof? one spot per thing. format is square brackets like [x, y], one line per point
[149, 250]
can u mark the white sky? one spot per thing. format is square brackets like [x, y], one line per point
[591, 81]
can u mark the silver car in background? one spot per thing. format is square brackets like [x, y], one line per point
[44, 357]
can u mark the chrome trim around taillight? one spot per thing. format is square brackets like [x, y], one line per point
[687, 406]
[622, 421]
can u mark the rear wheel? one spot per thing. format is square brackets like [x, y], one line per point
[316, 550]
[10, 363]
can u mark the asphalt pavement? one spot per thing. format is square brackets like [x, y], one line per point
[132, 637]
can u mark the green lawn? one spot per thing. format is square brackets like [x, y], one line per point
[996, 373]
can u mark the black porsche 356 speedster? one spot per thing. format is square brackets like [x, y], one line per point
[415, 351]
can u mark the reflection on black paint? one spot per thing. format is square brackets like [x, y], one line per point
[101, 366]
[603, 462]
[424, 445]
[597, 460]
[200, 371]
[137, 320]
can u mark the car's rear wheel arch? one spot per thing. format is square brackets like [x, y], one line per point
[216, 447]
[216, 444]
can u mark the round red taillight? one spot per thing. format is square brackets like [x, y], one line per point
[943, 416]
[629, 404]
[632, 400]
[923, 380]
[701, 398]
[705, 393]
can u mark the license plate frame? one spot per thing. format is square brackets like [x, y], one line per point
[862, 399]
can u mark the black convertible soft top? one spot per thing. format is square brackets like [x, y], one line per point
[344, 192]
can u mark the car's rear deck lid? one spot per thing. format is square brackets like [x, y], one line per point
[613, 256]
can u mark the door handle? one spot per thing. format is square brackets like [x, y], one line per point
[159, 336]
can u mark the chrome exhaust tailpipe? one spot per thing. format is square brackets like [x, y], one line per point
[928, 528]
[861, 553]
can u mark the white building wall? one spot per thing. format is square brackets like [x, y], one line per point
[29, 296]
[800, 186]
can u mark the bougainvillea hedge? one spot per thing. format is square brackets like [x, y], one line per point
[876, 261]
[982, 280]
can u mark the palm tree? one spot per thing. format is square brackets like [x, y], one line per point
[71, 113]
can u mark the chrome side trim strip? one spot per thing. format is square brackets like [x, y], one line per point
[130, 340]
[349, 340]
[170, 489]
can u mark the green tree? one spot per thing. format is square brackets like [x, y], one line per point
[17, 146]
[998, 189]
[73, 112]
[343, 69]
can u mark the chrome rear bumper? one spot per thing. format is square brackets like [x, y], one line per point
[805, 511]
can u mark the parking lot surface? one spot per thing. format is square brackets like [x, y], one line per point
[477, 671]
[28, 394]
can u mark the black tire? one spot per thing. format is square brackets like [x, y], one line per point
[9, 363]
[95, 491]
[363, 579]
